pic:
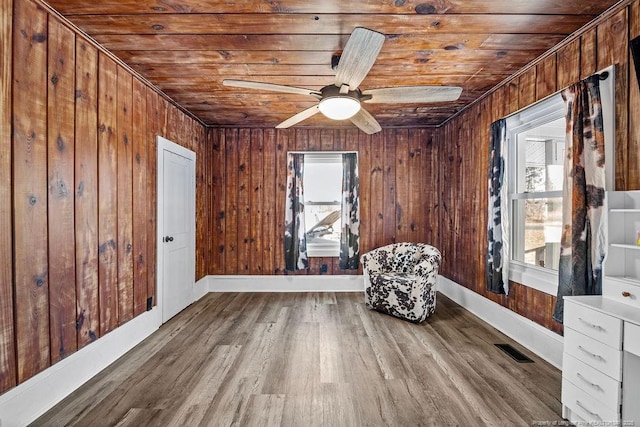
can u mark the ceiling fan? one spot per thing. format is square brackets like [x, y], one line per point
[342, 99]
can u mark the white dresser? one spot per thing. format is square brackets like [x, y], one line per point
[601, 360]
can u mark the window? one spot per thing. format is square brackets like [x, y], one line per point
[536, 193]
[322, 203]
[535, 156]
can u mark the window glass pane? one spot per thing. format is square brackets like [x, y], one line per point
[323, 223]
[539, 227]
[322, 193]
[322, 181]
[541, 157]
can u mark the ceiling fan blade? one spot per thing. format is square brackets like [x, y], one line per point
[272, 87]
[366, 122]
[413, 94]
[358, 56]
[302, 115]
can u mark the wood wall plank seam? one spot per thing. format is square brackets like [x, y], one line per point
[61, 185]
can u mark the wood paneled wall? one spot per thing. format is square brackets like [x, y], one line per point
[398, 200]
[463, 148]
[78, 190]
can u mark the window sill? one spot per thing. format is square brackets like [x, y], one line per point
[541, 279]
[323, 250]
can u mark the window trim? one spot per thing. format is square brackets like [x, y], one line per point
[540, 278]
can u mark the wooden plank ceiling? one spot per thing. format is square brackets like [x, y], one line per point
[187, 47]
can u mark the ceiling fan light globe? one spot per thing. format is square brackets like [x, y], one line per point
[339, 107]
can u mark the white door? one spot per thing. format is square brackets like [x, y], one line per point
[176, 227]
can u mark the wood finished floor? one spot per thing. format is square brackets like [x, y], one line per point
[305, 359]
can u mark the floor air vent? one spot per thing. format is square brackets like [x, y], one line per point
[515, 354]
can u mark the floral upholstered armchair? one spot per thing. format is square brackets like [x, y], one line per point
[400, 280]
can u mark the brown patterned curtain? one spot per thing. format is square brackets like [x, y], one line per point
[497, 241]
[295, 237]
[582, 243]
[350, 235]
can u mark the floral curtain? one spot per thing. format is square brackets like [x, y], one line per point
[583, 238]
[350, 235]
[295, 239]
[497, 248]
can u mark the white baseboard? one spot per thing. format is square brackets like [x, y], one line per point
[538, 339]
[26, 402]
[338, 283]
[200, 289]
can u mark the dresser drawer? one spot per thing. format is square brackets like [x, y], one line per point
[586, 407]
[600, 386]
[622, 291]
[594, 324]
[594, 353]
[632, 338]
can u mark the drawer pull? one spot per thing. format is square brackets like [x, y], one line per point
[596, 386]
[593, 414]
[591, 325]
[595, 356]
[626, 294]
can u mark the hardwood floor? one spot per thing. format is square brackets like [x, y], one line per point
[304, 359]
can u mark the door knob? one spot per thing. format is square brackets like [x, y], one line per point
[168, 239]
